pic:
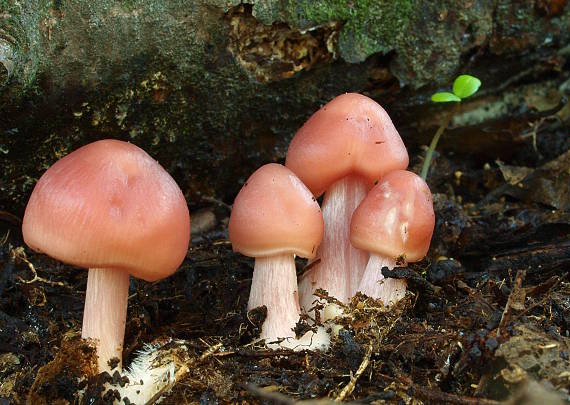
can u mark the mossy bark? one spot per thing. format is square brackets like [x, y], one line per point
[213, 88]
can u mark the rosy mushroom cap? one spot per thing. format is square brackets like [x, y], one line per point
[396, 218]
[109, 205]
[352, 134]
[274, 213]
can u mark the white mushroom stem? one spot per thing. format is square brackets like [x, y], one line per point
[105, 313]
[373, 283]
[274, 285]
[341, 265]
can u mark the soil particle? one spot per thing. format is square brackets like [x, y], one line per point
[61, 378]
[351, 350]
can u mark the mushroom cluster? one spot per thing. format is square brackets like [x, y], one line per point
[394, 223]
[375, 214]
[111, 208]
[341, 151]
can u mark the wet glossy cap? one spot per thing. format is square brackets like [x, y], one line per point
[396, 218]
[275, 213]
[351, 135]
[109, 205]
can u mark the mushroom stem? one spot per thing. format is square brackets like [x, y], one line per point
[105, 313]
[341, 265]
[373, 283]
[274, 285]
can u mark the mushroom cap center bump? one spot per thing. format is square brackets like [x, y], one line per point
[275, 213]
[396, 218]
[109, 205]
[352, 134]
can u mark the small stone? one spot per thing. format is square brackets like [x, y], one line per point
[116, 377]
[475, 352]
[482, 333]
[491, 344]
[114, 362]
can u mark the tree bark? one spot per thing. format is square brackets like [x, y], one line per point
[214, 88]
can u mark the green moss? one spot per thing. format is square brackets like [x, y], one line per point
[378, 27]
[370, 26]
[8, 6]
[20, 30]
[306, 13]
[130, 5]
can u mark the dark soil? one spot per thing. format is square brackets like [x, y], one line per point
[488, 310]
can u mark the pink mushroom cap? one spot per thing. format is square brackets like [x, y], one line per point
[396, 218]
[109, 205]
[352, 134]
[275, 213]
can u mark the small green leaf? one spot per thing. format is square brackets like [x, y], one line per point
[465, 86]
[444, 97]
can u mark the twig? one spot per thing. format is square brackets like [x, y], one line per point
[280, 399]
[266, 353]
[18, 253]
[536, 125]
[438, 397]
[5, 238]
[515, 301]
[211, 350]
[216, 201]
[347, 390]
[274, 397]
[536, 304]
[184, 369]
[11, 218]
[481, 385]
[542, 288]
[435, 396]
[550, 112]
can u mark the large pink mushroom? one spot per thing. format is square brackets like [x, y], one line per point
[111, 208]
[394, 223]
[274, 217]
[341, 151]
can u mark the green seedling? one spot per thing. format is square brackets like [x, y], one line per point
[464, 86]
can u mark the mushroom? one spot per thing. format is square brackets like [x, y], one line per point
[394, 223]
[274, 217]
[341, 151]
[111, 208]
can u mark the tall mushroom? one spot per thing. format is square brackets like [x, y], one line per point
[111, 208]
[341, 151]
[274, 217]
[394, 223]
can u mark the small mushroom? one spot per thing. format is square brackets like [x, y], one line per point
[341, 151]
[274, 217]
[111, 208]
[394, 223]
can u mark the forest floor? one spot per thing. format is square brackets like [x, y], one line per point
[487, 316]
